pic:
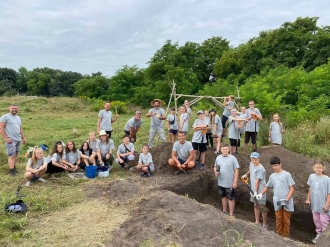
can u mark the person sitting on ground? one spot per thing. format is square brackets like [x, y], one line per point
[258, 181]
[226, 169]
[105, 147]
[125, 153]
[229, 104]
[216, 128]
[133, 125]
[184, 120]
[72, 157]
[233, 132]
[56, 165]
[88, 152]
[36, 167]
[92, 141]
[200, 127]
[172, 125]
[145, 162]
[182, 155]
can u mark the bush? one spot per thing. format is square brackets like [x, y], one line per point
[322, 131]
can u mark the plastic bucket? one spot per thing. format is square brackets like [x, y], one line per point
[103, 171]
[91, 171]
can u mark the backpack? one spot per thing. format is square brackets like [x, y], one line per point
[17, 207]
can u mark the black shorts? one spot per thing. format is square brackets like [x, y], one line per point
[252, 135]
[202, 147]
[227, 192]
[108, 133]
[174, 132]
[128, 133]
[223, 121]
[234, 141]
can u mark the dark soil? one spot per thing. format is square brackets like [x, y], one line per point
[160, 216]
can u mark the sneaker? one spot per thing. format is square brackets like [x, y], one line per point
[143, 174]
[131, 168]
[177, 172]
[314, 240]
[217, 153]
[149, 175]
[265, 227]
[203, 167]
[27, 183]
[42, 180]
[12, 172]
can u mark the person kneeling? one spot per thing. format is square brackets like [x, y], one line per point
[36, 167]
[182, 155]
[125, 153]
[145, 162]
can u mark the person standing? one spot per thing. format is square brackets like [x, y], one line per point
[105, 119]
[229, 104]
[172, 125]
[188, 109]
[158, 116]
[275, 131]
[184, 120]
[12, 132]
[216, 128]
[253, 117]
[133, 125]
[209, 138]
[233, 131]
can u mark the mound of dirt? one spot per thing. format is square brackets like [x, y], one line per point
[160, 217]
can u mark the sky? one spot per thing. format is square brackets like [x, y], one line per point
[88, 36]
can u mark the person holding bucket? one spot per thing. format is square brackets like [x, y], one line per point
[105, 147]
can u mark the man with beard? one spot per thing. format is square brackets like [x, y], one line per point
[157, 115]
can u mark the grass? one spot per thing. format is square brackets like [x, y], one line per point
[60, 209]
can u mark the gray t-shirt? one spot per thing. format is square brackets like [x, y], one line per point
[72, 157]
[242, 116]
[281, 182]
[13, 125]
[250, 126]
[39, 163]
[172, 117]
[56, 157]
[233, 132]
[188, 110]
[258, 172]
[145, 159]
[155, 122]
[105, 147]
[123, 150]
[320, 189]
[227, 165]
[198, 137]
[106, 117]
[218, 128]
[184, 120]
[228, 107]
[133, 123]
[275, 132]
[92, 145]
[182, 150]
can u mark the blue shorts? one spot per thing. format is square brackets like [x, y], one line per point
[227, 192]
[13, 148]
[174, 132]
[181, 161]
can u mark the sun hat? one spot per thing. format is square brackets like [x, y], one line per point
[102, 133]
[255, 155]
[156, 100]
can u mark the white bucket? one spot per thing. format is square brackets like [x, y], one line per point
[103, 173]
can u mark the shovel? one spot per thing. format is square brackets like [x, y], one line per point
[261, 208]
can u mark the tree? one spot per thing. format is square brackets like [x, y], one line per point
[94, 87]
[8, 78]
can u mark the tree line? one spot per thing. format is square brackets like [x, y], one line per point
[284, 70]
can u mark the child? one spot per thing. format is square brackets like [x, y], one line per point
[283, 187]
[234, 133]
[172, 125]
[258, 181]
[275, 131]
[105, 147]
[88, 152]
[92, 145]
[145, 162]
[226, 169]
[36, 167]
[209, 138]
[216, 128]
[55, 165]
[71, 157]
[319, 196]
[125, 153]
[184, 120]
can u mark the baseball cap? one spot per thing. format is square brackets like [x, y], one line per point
[255, 155]
[212, 110]
[200, 112]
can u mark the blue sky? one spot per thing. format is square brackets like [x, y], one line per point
[88, 36]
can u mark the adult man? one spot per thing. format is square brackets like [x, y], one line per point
[133, 125]
[216, 127]
[229, 104]
[199, 137]
[105, 119]
[157, 115]
[253, 116]
[182, 155]
[12, 132]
